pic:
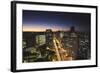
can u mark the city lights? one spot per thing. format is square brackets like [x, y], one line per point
[55, 36]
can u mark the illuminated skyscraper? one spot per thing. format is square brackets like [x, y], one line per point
[70, 41]
[49, 38]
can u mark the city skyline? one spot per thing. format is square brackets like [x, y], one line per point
[42, 20]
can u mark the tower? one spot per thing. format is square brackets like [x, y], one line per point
[49, 38]
[72, 29]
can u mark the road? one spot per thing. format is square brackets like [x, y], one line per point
[62, 54]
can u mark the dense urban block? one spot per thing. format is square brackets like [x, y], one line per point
[56, 46]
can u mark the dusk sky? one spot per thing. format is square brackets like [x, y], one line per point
[42, 20]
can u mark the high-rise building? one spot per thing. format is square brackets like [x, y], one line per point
[70, 40]
[40, 39]
[84, 46]
[49, 38]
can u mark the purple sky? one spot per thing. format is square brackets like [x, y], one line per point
[42, 20]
